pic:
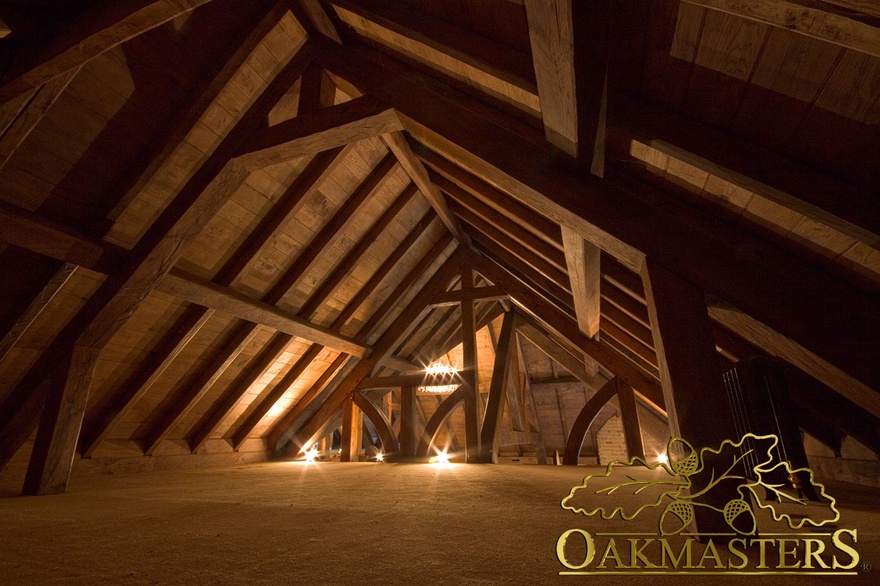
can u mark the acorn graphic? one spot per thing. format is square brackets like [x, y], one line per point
[739, 516]
[686, 465]
[676, 516]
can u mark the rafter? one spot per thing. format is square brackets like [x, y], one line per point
[397, 144]
[390, 262]
[538, 336]
[512, 230]
[499, 61]
[489, 195]
[36, 307]
[252, 419]
[204, 94]
[233, 396]
[633, 346]
[206, 293]
[267, 356]
[524, 255]
[777, 344]
[623, 279]
[220, 359]
[532, 303]
[139, 383]
[790, 183]
[803, 19]
[624, 219]
[304, 403]
[28, 117]
[119, 296]
[196, 316]
[402, 325]
[87, 36]
[615, 300]
[344, 266]
[634, 328]
[404, 284]
[317, 131]
[549, 289]
[423, 350]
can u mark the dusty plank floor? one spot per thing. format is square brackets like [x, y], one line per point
[291, 523]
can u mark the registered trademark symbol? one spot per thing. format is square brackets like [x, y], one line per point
[866, 567]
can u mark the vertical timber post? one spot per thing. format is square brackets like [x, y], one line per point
[407, 423]
[472, 379]
[690, 374]
[352, 424]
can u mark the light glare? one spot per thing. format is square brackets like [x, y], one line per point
[441, 368]
[441, 458]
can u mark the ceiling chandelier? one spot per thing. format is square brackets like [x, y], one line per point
[439, 369]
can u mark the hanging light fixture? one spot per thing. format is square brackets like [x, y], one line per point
[442, 369]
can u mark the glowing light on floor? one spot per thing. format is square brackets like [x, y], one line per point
[311, 454]
[440, 458]
[380, 457]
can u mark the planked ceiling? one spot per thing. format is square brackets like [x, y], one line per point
[218, 217]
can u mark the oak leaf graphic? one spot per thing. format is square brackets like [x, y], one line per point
[690, 475]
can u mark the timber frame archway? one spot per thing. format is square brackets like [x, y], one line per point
[440, 415]
[613, 388]
[380, 422]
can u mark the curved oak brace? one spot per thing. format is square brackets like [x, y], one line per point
[380, 422]
[585, 419]
[443, 411]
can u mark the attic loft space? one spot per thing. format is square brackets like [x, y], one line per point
[234, 231]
